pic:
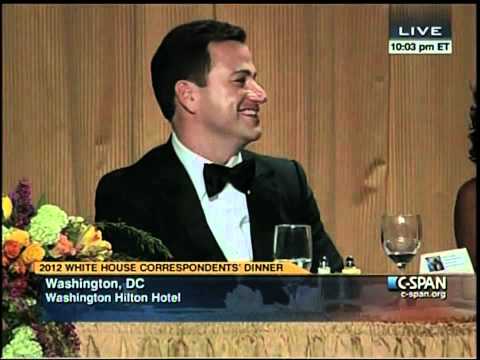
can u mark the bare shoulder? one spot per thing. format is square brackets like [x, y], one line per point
[468, 191]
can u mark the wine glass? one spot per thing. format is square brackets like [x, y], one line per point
[401, 235]
[293, 243]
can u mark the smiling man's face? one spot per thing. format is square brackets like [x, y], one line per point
[230, 103]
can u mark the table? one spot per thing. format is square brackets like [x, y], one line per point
[360, 323]
[336, 339]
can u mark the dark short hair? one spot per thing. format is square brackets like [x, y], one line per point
[183, 55]
[473, 128]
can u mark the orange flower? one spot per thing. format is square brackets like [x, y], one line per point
[33, 252]
[11, 249]
[19, 267]
[63, 247]
[20, 236]
[5, 261]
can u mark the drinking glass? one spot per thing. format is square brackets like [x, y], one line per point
[401, 235]
[293, 243]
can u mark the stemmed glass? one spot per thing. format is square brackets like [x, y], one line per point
[401, 235]
[293, 243]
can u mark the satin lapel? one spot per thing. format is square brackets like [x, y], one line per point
[178, 195]
[263, 210]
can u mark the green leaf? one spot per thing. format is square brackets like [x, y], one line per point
[42, 201]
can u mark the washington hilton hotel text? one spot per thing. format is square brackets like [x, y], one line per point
[95, 285]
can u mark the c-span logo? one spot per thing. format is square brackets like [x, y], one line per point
[419, 287]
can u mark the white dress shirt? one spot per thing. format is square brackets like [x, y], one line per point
[227, 212]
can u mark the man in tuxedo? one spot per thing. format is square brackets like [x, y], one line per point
[201, 193]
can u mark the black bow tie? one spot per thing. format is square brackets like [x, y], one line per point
[217, 176]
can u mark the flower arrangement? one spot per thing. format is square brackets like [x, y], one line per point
[32, 234]
[45, 232]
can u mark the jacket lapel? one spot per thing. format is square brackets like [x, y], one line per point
[192, 235]
[263, 209]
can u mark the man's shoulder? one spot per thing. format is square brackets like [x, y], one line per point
[268, 159]
[273, 163]
[138, 170]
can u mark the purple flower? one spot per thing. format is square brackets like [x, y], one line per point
[4, 279]
[61, 340]
[18, 287]
[43, 339]
[23, 209]
[16, 293]
[71, 335]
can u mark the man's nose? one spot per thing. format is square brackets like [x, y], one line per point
[257, 93]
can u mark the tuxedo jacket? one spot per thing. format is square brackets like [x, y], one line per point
[156, 194]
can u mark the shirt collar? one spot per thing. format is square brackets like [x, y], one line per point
[194, 163]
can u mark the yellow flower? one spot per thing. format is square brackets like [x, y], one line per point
[20, 236]
[93, 246]
[34, 252]
[7, 207]
[90, 236]
[97, 247]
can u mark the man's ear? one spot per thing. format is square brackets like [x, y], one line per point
[186, 94]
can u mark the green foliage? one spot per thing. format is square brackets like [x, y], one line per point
[23, 345]
[41, 201]
[129, 242]
[75, 228]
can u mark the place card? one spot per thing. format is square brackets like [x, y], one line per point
[455, 261]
